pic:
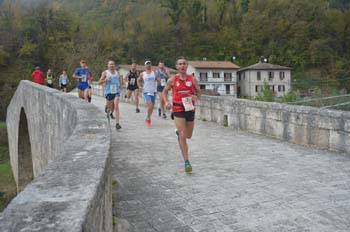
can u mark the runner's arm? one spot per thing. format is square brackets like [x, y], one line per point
[102, 78]
[75, 75]
[126, 77]
[120, 82]
[168, 86]
[139, 79]
[198, 93]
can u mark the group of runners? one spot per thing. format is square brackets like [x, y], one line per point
[152, 83]
[39, 77]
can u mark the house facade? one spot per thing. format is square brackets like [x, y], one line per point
[215, 76]
[251, 79]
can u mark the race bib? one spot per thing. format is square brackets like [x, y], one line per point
[113, 89]
[132, 81]
[150, 94]
[83, 78]
[162, 82]
[49, 82]
[187, 103]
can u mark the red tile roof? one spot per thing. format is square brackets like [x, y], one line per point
[213, 64]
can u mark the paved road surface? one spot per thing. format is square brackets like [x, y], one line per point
[240, 182]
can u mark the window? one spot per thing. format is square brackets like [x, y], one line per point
[258, 76]
[216, 75]
[203, 77]
[243, 76]
[258, 88]
[271, 76]
[228, 77]
[281, 88]
[227, 89]
[281, 75]
[202, 87]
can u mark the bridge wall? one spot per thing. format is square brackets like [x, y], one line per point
[323, 128]
[59, 151]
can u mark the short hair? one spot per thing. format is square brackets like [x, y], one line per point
[180, 58]
[111, 60]
[161, 62]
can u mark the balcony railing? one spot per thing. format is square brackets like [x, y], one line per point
[203, 79]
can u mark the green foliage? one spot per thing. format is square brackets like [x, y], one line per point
[291, 96]
[7, 183]
[304, 35]
[265, 94]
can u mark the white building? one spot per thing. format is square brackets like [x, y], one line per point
[251, 79]
[215, 76]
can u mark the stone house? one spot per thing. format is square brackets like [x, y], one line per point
[215, 76]
[251, 79]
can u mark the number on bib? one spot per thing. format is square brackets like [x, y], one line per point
[83, 78]
[132, 81]
[113, 89]
[162, 82]
[187, 103]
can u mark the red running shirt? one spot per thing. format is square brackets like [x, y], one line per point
[181, 88]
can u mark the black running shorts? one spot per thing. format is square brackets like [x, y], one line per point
[189, 115]
[110, 97]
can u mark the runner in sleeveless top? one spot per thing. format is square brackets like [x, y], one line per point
[149, 79]
[49, 78]
[163, 76]
[131, 79]
[113, 85]
[82, 75]
[63, 81]
[185, 91]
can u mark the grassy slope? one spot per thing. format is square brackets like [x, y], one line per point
[7, 182]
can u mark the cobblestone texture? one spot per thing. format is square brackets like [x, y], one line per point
[240, 182]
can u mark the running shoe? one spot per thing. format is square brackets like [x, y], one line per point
[188, 167]
[148, 122]
[159, 112]
[112, 116]
[137, 110]
[117, 126]
[164, 116]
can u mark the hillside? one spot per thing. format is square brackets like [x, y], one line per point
[305, 35]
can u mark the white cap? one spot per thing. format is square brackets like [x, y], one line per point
[148, 62]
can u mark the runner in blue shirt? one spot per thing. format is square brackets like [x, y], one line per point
[82, 75]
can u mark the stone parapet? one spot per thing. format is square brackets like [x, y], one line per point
[59, 151]
[323, 128]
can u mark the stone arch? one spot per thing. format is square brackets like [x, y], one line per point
[25, 161]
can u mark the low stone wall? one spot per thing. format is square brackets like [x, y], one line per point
[59, 150]
[323, 128]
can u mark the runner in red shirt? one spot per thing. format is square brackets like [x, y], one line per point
[38, 76]
[186, 91]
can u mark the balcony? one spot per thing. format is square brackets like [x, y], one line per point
[203, 79]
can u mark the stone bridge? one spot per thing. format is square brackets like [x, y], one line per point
[241, 181]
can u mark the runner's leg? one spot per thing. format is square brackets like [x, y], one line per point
[136, 95]
[180, 124]
[116, 108]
